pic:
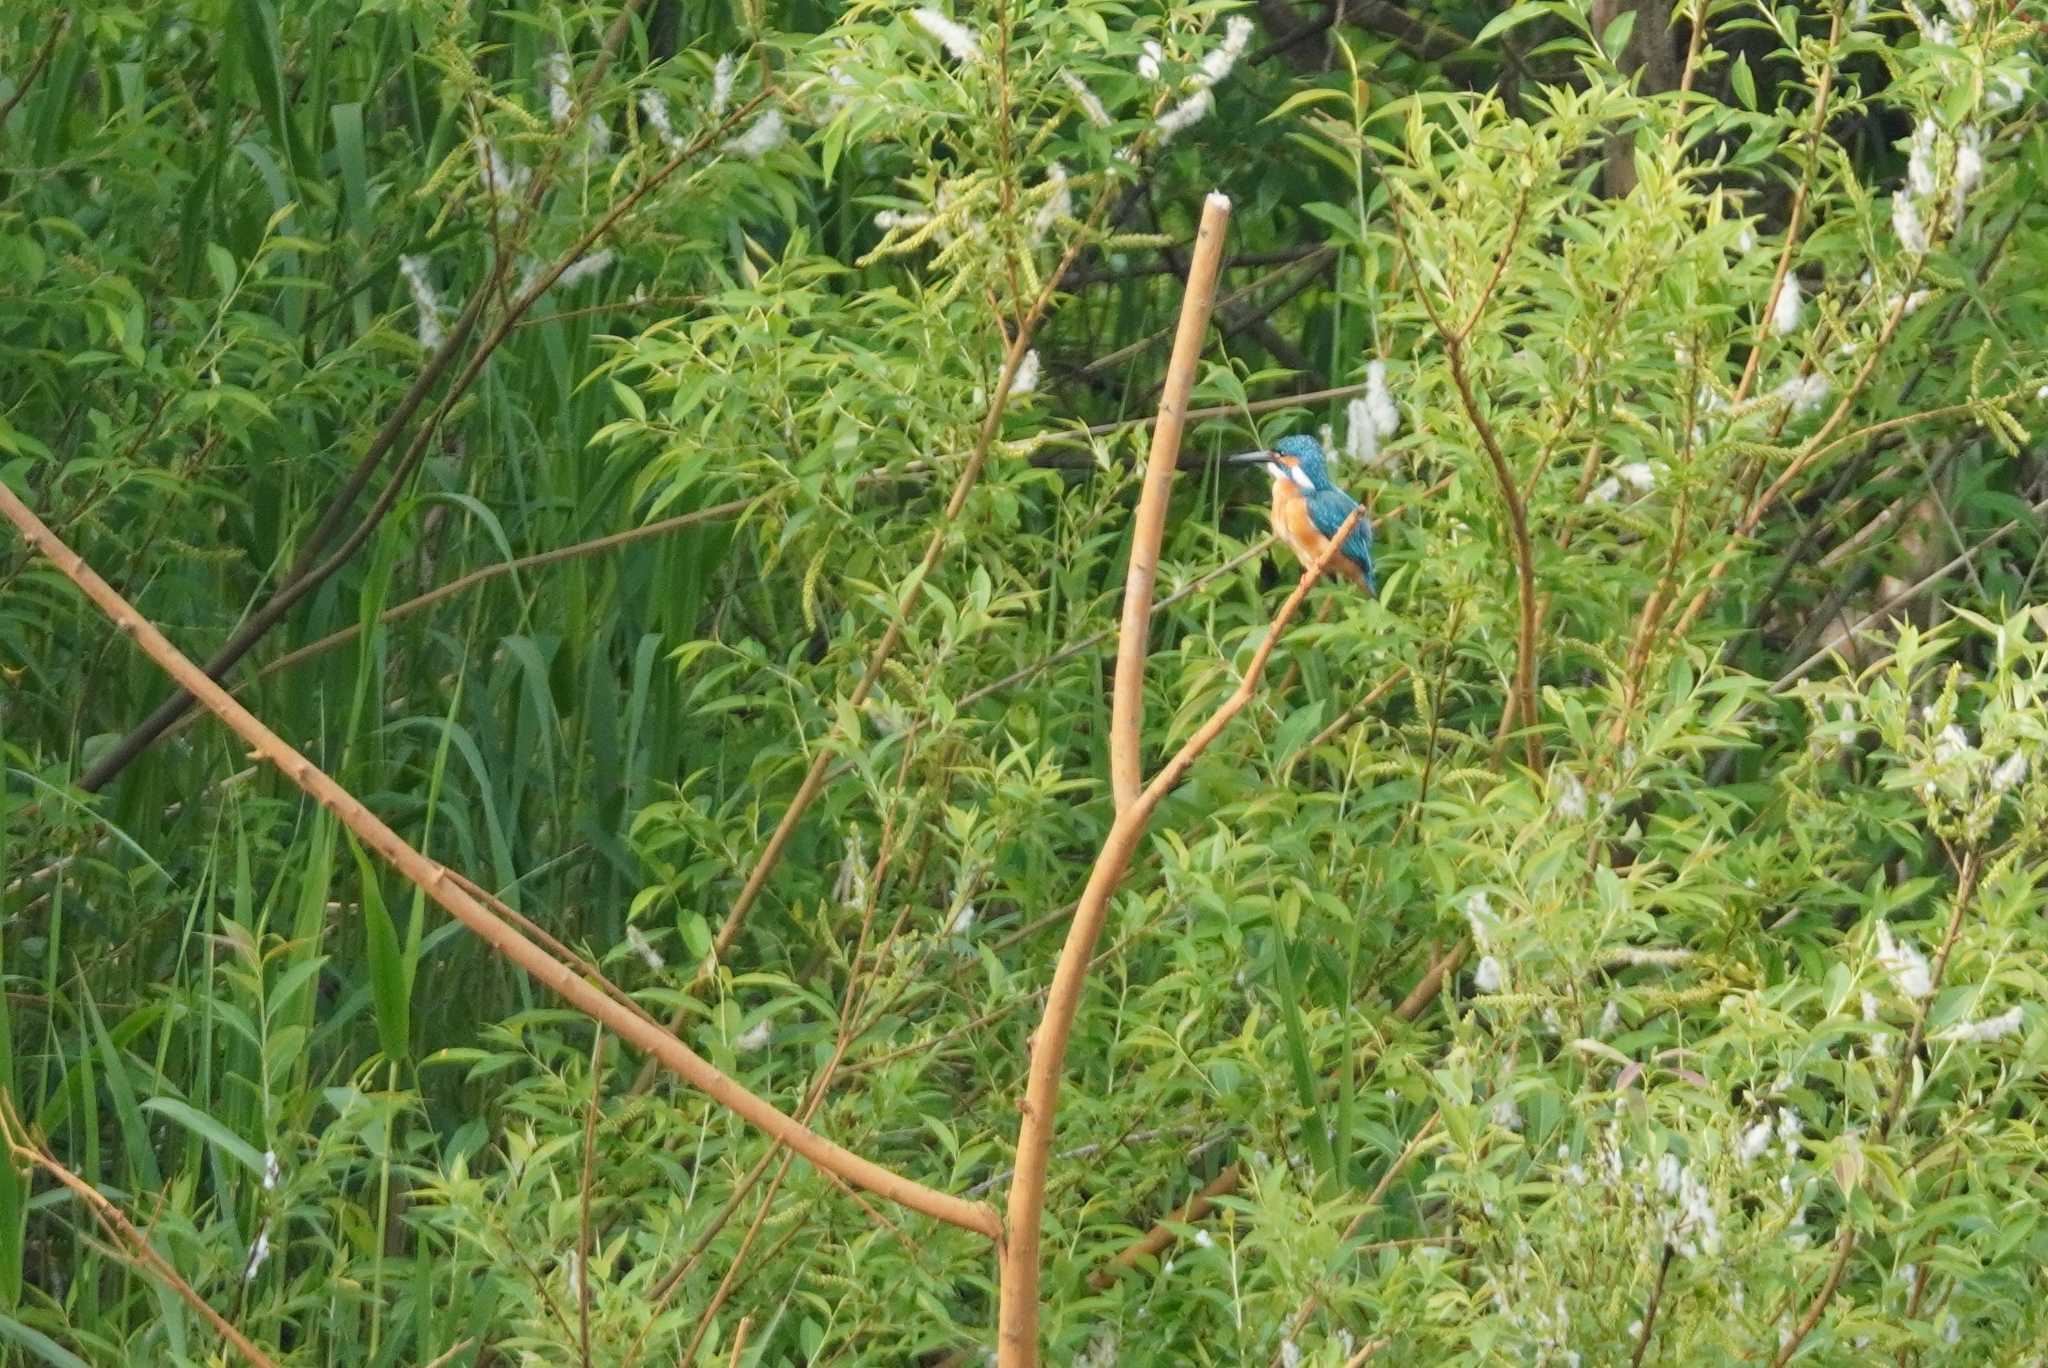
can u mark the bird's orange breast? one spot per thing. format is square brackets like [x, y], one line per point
[1293, 525]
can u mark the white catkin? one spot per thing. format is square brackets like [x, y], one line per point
[963, 920]
[424, 301]
[1379, 400]
[1803, 394]
[584, 267]
[1026, 380]
[273, 1173]
[1607, 491]
[1637, 475]
[1479, 915]
[1148, 60]
[1789, 309]
[503, 181]
[1186, 114]
[763, 136]
[1907, 966]
[893, 218]
[1571, 798]
[257, 1255]
[955, 37]
[556, 72]
[2010, 772]
[1985, 1031]
[1487, 977]
[755, 1040]
[1755, 1141]
[1969, 168]
[1058, 205]
[722, 76]
[654, 109]
[1907, 223]
[1361, 433]
[1965, 11]
[2008, 90]
[1084, 97]
[1920, 159]
[1222, 59]
[637, 941]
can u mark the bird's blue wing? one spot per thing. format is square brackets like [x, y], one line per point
[1327, 509]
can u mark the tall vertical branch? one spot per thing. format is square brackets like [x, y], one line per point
[1017, 1325]
[1521, 706]
[1148, 526]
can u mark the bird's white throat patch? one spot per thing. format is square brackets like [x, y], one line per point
[1291, 475]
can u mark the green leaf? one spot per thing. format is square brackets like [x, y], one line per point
[1511, 18]
[207, 1128]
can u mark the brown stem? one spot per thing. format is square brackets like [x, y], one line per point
[1017, 1325]
[1148, 525]
[35, 68]
[1650, 1311]
[420, 603]
[495, 931]
[22, 1144]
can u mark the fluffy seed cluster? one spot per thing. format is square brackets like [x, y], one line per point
[959, 41]
[425, 302]
[1908, 968]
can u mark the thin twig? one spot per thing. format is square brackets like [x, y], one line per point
[23, 1145]
[35, 68]
[1372, 1202]
[1148, 524]
[1650, 1311]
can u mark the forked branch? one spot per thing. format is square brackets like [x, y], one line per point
[1017, 1326]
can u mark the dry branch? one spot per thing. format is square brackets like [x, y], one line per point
[439, 884]
[1148, 526]
[1017, 1327]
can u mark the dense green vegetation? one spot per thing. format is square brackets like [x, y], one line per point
[1620, 941]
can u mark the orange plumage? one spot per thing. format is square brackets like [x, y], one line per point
[1293, 525]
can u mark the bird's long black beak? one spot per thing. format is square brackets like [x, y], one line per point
[1249, 458]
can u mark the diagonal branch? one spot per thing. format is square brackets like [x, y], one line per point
[445, 888]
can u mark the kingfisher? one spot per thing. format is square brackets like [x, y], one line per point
[1308, 508]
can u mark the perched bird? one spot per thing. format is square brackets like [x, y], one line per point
[1308, 508]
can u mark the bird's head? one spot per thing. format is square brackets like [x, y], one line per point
[1298, 459]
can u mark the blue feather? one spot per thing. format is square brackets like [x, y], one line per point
[1327, 509]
